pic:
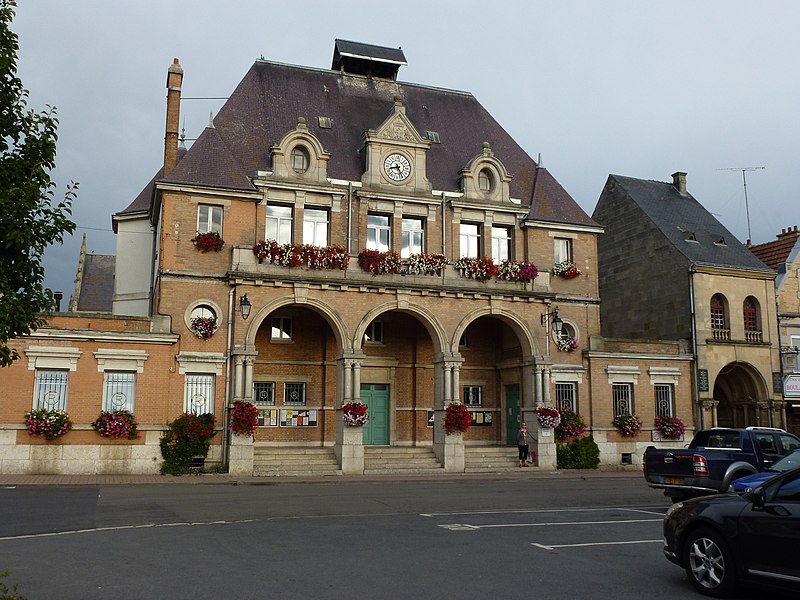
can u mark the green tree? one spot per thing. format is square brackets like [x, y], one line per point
[30, 219]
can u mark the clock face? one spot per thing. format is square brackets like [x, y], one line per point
[397, 167]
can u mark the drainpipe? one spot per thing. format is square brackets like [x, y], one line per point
[694, 349]
[349, 217]
[444, 226]
[228, 382]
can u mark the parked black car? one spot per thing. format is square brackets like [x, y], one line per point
[726, 540]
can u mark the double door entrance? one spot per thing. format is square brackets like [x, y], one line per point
[376, 397]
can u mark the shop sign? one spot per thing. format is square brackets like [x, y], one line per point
[791, 386]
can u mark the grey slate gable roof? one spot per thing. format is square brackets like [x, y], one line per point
[267, 102]
[689, 227]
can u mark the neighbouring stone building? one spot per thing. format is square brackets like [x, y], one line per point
[670, 271]
[783, 255]
[335, 193]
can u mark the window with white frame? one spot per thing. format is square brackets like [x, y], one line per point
[622, 394]
[279, 224]
[379, 231]
[209, 219]
[501, 243]
[51, 389]
[485, 181]
[413, 237]
[281, 328]
[664, 400]
[315, 226]
[199, 393]
[374, 333]
[470, 240]
[566, 396]
[562, 250]
[795, 342]
[294, 393]
[119, 390]
[473, 395]
[264, 392]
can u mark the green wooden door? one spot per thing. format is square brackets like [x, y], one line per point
[376, 397]
[512, 413]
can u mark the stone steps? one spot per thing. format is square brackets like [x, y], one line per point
[491, 459]
[281, 461]
[400, 460]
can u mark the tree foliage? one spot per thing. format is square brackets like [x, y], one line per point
[30, 218]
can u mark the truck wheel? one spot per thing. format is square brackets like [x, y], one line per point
[709, 563]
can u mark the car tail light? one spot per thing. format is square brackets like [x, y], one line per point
[700, 465]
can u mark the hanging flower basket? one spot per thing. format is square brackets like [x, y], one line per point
[670, 428]
[210, 241]
[317, 258]
[203, 327]
[457, 418]
[627, 425]
[516, 271]
[355, 414]
[51, 424]
[480, 269]
[548, 416]
[379, 263]
[244, 418]
[567, 344]
[116, 424]
[566, 269]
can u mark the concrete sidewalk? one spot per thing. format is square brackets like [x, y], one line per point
[226, 479]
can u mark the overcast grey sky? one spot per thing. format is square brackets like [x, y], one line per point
[633, 88]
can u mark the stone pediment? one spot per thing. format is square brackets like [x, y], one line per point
[399, 128]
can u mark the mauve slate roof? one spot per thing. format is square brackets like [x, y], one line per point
[775, 253]
[97, 287]
[679, 217]
[266, 104]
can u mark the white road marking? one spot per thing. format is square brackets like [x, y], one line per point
[561, 524]
[459, 527]
[536, 511]
[554, 546]
[121, 528]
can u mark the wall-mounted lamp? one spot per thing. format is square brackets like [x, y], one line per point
[548, 318]
[244, 307]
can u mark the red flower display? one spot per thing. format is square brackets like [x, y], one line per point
[208, 241]
[457, 418]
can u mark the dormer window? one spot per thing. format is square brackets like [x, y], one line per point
[300, 159]
[485, 181]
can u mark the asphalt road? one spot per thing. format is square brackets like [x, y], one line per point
[493, 537]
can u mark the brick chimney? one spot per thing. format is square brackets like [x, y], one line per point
[788, 233]
[174, 81]
[679, 181]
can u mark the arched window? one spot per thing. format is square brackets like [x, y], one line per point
[719, 317]
[300, 159]
[485, 181]
[752, 319]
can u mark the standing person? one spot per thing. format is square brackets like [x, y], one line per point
[522, 444]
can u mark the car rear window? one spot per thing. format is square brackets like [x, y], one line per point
[717, 439]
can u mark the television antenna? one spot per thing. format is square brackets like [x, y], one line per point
[744, 170]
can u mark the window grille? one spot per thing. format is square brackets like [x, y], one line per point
[472, 395]
[623, 399]
[199, 394]
[119, 391]
[565, 397]
[264, 392]
[51, 390]
[294, 393]
[664, 404]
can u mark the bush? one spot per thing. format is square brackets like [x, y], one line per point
[581, 453]
[186, 437]
[7, 593]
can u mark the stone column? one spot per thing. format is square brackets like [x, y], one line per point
[349, 447]
[449, 449]
[545, 446]
[238, 377]
[248, 378]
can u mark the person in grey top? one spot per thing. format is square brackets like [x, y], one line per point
[522, 444]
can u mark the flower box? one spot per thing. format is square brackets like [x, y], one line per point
[210, 241]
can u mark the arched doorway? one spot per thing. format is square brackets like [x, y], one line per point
[742, 395]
